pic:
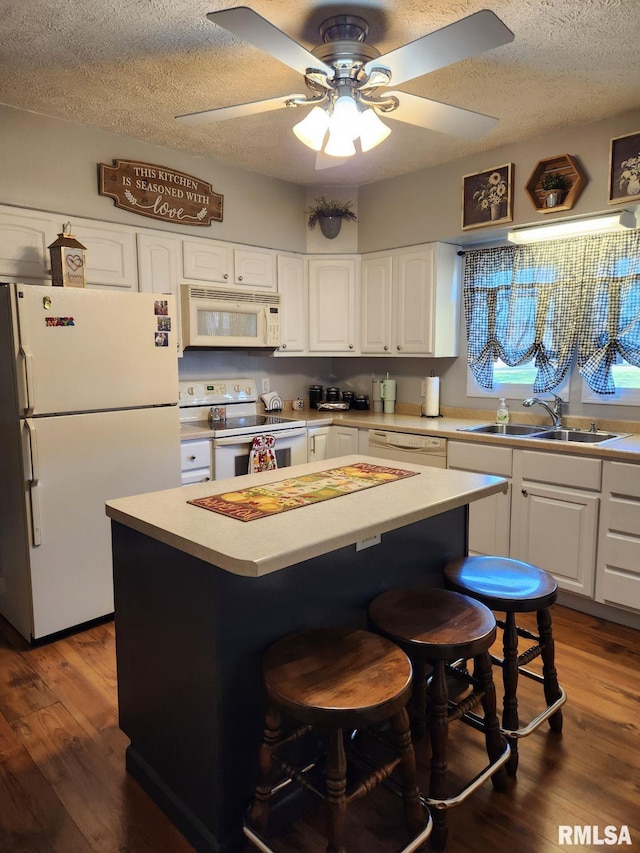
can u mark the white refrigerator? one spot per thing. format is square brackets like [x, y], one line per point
[88, 412]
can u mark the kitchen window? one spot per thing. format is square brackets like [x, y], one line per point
[544, 304]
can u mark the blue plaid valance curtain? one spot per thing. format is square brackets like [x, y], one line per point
[546, 300]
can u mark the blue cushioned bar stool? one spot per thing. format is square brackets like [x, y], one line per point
[510, 587]
[436, 628]
[330, 680]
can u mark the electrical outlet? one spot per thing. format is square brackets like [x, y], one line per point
[266, 385]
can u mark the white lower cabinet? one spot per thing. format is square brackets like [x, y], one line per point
[343, 440]
[489, 518]
[317, 443]
[195, 459]
[618, 569]
[555, 507]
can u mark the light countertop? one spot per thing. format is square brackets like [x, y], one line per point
[623, 449]
[267, 544]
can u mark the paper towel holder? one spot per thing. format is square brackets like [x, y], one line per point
[424, 405]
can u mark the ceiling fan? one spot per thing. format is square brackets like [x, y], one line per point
[347, 80]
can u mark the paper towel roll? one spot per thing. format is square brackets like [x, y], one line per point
[431, 407]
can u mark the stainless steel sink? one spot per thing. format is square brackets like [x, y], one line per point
[505, 429]
[578, 435]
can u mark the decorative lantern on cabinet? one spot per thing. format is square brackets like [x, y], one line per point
[67, 260]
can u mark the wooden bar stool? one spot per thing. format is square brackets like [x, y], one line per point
[511, 586]
[437, 627]
[335, 679]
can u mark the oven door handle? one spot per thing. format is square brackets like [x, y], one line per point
[279, 435]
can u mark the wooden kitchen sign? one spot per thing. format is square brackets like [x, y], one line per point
[160, 193]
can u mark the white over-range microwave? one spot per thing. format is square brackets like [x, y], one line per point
[221, 317]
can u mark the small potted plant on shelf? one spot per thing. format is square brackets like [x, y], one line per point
[329, 213]
[554, 186]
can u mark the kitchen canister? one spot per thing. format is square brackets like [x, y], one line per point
[348, 397]
[316, 393]
[333, 395]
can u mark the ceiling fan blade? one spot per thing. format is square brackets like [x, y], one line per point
[472, 35]
[248, 25]
[237, 110]
[441, 117]
[324, 161]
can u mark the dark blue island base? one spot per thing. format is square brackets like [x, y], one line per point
[190, 638]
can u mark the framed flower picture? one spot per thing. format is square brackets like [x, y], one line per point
[624, 169]
[487, 197]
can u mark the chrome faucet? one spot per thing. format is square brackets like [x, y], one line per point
[555, 413]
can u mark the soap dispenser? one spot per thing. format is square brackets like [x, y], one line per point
[502, 415]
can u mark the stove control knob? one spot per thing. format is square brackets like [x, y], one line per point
[190, 390]
[236, 388]
[248, 389]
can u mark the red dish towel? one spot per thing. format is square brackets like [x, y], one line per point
[263, 454]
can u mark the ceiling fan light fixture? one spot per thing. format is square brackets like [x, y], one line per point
[346, 116]
[339, 144]
[312, 130]
[372, 130]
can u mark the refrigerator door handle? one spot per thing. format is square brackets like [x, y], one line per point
[28, 368]
[33, 476]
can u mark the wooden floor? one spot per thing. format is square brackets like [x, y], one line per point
[63, 786]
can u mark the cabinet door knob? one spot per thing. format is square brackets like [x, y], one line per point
[398, 347]
[350, 346]
[386, 347]
[525, 493]
[226, 275]
[192, 459]
[240, 278]
[284, 346]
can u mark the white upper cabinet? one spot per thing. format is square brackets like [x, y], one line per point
[377, 304]
[292, 285]
[24, 240]
[254, 268]
[333, 304]
[158, 269]
[206, 260]
[411, 301]
[110, 257]
[209, 260]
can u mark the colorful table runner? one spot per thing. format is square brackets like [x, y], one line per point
[295, 492]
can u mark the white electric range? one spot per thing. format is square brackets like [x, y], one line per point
[233, 405]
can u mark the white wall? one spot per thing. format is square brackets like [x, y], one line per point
[426, 205]
[49, 164]
[52, 165]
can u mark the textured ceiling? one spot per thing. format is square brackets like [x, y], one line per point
[130, 67]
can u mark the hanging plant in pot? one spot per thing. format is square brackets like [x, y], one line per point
[554, 186]
[329, 213]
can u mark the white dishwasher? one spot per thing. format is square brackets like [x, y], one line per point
[408, 447]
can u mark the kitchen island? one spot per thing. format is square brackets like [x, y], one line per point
[199, 596]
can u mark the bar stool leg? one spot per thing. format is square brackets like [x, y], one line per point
[551, 687]
[413, 813]
[438, 730]
[259, 814]
[336, 782]
[419, 696]
[482, 672]
[510, 681]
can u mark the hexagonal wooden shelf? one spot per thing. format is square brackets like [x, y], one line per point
[563, 164]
